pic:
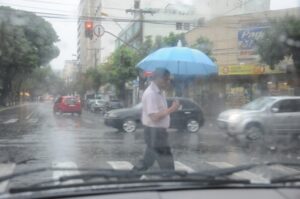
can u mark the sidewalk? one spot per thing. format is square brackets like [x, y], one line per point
[3, 108]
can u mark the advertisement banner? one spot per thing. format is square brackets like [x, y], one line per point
[246, 42]
[248, 70]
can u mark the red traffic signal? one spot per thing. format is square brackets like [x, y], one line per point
[89, 25]
[89, 29]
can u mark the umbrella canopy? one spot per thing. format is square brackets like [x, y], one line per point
[179, 61]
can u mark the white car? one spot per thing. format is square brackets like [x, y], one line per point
[280, 114]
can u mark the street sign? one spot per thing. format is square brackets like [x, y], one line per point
[99, 31]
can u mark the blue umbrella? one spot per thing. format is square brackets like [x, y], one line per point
[179, 61]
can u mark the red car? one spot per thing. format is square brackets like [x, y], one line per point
[67, 104]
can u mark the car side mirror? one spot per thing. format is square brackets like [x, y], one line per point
[275, 110]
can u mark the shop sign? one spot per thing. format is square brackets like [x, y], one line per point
[248, 70]
[246, 42]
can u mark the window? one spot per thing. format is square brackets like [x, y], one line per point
[187, 26]
[58, 100]
[187, 104]
[288, 106]
[178, 26]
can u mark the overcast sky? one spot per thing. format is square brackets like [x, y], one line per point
[67, 29]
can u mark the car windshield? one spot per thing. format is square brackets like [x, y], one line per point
[141, 86]
[259, 103]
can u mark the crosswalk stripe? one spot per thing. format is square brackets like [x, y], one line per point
[28, 116]
[10, 121]
[285, 170]
[33, 120]
[120, 165]
[57, 174]
[5, 169]
[255, 178]
[182, 167]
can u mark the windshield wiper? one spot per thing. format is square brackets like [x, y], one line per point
[118, 177]
[215, 176]
[287, 178]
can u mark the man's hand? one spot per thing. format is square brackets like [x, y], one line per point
[158, 116]
[175, 106]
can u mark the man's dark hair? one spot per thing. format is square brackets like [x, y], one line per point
[160, 73]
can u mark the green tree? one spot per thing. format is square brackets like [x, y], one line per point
[281, 40]
[95, 78]
[43, 80]
[26, 42]
[172, 40]
[204, 45]
[120, 68]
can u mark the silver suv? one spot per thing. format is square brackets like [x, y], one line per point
[280, 114]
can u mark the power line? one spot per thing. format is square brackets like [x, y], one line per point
[50, 2]
[39, 8]
[69, 18]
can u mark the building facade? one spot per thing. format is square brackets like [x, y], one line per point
[70, 71]
[88, 50]
[241, 76]
[215, 8]
[169, 19]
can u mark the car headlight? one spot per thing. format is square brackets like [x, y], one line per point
[234, 118]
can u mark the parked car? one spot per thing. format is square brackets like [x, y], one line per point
[279, 114]
[89, 103]
[67, 104]
[98, 105]
[115, 104]
[189, 117]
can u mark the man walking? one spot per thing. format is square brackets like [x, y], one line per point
[156, 120]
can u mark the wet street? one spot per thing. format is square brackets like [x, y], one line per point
[31, 136]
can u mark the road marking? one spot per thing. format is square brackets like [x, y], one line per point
[255, 178]
[12, 107]
[28, 116]
[120, 165]
[87, 121]
[5, 169]
[33, 120]
[57, 174]
[284, 169]
[10, 121]
[182, 167]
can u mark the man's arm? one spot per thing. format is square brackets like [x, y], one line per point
[160, 115]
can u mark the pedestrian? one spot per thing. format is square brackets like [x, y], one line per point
[156, 121]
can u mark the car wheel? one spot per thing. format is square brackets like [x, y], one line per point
[253, 131]
[79, 113]
[193, 126]
[129, 126]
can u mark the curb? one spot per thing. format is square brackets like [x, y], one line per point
[11, 107]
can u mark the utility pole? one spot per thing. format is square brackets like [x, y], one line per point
[96, 50]
[98, 10]
[138, 12]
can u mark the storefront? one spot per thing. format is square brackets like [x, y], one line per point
[242, 84]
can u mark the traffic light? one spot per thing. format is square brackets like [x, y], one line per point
[89, 29]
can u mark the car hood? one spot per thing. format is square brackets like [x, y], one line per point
[124, 111]
[226, 114]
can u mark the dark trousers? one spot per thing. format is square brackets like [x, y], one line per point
[157, 149]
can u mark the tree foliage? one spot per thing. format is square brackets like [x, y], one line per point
[204, 45]
[281, 40]
[26, 42]
[120, 68]
[43, 80]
